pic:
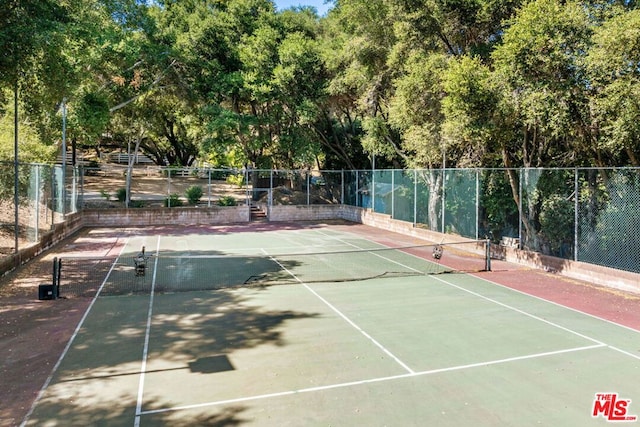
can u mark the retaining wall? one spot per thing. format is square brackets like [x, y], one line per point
[162, 216]
[59, 232]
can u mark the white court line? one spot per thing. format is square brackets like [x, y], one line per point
[411, 373]
[145, 351]
[72, 339]
[484, 279]
[349, 321]
[517, 310]
[369, 381]
[522, 311]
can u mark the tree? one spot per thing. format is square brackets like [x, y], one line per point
[613, 69]
[539, 65]
[469, 108]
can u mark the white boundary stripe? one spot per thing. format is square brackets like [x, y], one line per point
[635, 356]
[145, 351]
[559, 305]
[517, 310]
[343, 316]
[72, 339]
[529, 314]
[370, 381]
[357, 236]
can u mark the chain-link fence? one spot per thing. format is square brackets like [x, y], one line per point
[581, 214]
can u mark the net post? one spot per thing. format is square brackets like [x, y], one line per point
[487, 259]
[57, 281]
[54, 278]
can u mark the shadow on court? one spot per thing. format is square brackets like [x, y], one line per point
[191, 334]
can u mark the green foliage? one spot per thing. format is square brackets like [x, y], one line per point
[510, 83]
[468, 109]
[237, 180]
[172, 201]
[92, 115]
[416, 108]
[500, 209]
[227, 201]
[539, 66]
[556, 222]
[121, 194]
[30, 147]
[613, 67]
[194, 194]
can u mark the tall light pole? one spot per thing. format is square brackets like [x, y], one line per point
[64, 157]
[16, 198]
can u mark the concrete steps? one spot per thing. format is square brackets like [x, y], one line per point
[258, 214]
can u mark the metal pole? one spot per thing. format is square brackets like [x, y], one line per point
[415, 197]
[168, 186]
[37, 202]
[208, 187]
[342, 187]
[477, 204]
[308, 188]
[393, 193]
[357, 189]
[575, 215]
[270, 198]
[246, 185]
[520, 214]
[444, 177]
[64, 157]
[373, 185]
[16, 199]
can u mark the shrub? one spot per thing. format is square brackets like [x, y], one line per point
[172, 201]
[194, 193]
[227, 201]
[121, 194]
[237, 180]
[105, 194]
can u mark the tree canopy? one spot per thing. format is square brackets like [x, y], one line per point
[421, 83]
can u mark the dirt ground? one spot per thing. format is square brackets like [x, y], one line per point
[33, 333]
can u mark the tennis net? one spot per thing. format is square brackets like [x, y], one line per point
[173, 273]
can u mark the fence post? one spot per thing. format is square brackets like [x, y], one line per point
[37, 202]
[444, 177]
[520, 208]
[168, 187]
[477, 203]
[393, 192]
[308, 187]
[415, 197]
[575, 215]
[342, 186]
[357, 188]
[373, 190]
[81, 191]
[208, 187]
[270, 198]
[246, 185]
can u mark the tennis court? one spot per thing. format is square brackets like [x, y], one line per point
[319, 325]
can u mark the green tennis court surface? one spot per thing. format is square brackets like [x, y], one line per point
[412, 348]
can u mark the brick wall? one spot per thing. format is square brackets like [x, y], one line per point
[163, 216]
[59, 232]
